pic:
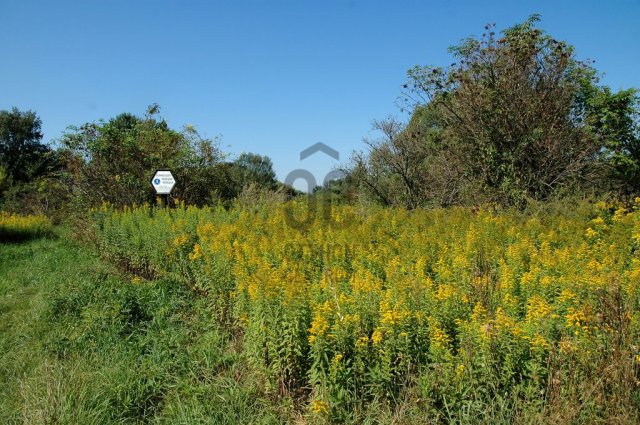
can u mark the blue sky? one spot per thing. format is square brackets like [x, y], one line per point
[269, 77]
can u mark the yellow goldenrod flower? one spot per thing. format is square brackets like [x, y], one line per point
[376, 337]
[590, 233]
[539, 343]
[319, 406]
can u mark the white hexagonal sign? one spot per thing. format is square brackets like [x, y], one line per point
[163, 182]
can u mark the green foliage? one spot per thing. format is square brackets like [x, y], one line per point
[83, 344]
[411, 165]
[26, 165]
[113, 161]
[613, 118]
[15, 228]
[507, 106]
[256, 169]
[4, 178]
[342, 190]
[47, 195]
[484, 315]
[516, 118]
[22, 155]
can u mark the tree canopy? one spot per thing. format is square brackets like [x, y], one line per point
[113, 161]
[516, 117]
[22, 153]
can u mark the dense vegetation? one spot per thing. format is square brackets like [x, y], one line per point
[486, 315]
[113, 162]
[478, 263]
[517, 117]
[15, 227]
[83, 344]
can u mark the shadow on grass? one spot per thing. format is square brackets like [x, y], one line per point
[17, 237]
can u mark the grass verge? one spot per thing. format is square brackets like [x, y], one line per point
[82, 344]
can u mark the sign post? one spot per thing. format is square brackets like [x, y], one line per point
[163, 183]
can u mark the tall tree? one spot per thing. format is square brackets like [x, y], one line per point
[22, 154]
[509, 108]
[410, 165]
[613, 119]
[257, 169]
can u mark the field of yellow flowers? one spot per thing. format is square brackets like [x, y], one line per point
[454, 309]
[16, 227]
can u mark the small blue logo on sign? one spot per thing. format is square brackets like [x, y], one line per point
[156, 181]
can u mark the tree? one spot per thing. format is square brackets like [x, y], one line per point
[613, 118]
[410, 165]
[113, 161]
[22, 155]
[510, 110]
[203, 178]
[29, 169]
[257, 169]
[392, 168]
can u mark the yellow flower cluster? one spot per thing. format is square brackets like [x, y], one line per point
[439, 338]
[14, 226]
[538, 308]
[319, 406]
[374, 288]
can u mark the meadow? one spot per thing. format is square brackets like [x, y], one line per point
[15, 227]
[475, 260]
[447, 315]
[83, 343]
[364, 315]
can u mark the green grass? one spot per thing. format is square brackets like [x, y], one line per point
[81, 344]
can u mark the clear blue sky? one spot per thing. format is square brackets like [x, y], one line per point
[269, 77]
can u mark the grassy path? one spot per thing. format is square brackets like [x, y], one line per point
[80, 343]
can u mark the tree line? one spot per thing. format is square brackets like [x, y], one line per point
[112, 161]
[516, 117]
